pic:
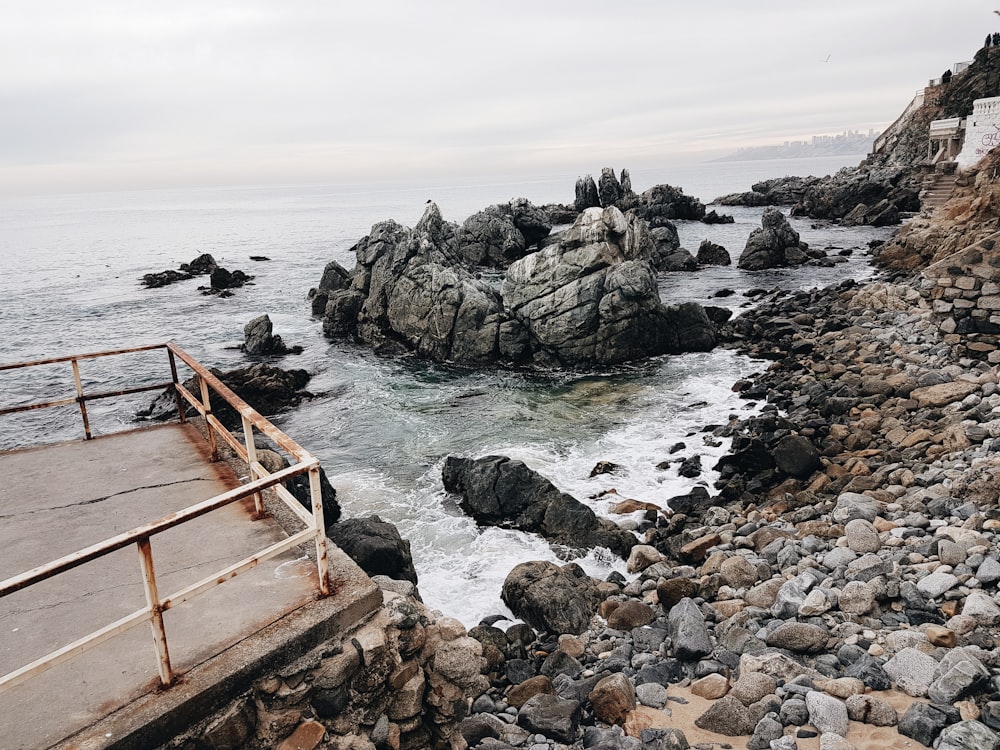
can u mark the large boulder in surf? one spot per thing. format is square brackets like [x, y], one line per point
[259, 338]
[500, 491]
[550, 598]
[376, 546]
[500, 234]
[593, 298]
[773, 245]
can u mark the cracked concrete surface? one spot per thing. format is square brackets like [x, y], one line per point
[59, 499]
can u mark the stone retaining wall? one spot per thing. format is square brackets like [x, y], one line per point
[963, 292]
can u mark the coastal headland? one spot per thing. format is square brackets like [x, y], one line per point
[835, 587]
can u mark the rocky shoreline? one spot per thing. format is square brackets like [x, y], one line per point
[856, 602]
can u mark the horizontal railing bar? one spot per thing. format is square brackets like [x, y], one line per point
[127, 391]
[90, 355]
[241, 406]
[235, 569]
[39, 405]
[68, 562]
[86, 397]
[60, 655]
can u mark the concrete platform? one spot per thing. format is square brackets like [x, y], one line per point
[58, 499]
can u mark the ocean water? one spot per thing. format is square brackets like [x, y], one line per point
[381, 427]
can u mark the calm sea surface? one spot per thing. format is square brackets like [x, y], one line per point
[381, 427]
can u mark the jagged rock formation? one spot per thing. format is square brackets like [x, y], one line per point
[501, 234]
[498, 491]
[774, 244]
[588, 298]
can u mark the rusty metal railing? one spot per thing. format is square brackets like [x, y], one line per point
[141, 536]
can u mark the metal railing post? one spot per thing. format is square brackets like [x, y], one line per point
[251, 446]
[207, 403]
[177, 394]
[80, 399]
[322, 563]
[155, 611]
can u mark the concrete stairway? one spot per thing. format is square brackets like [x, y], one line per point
[935, 191]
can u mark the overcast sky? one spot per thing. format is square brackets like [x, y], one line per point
[110, 94]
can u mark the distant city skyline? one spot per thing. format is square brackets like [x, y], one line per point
[115, 95]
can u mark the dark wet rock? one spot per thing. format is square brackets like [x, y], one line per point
[968, 735]
[667, 253]
[796, 455]
[922, 722]
[711, 254]
[688, 631]
[551, 598]
[163, 278]
[609, 190]
[202, 265]
[499, 491]
[222, 280]
[259, 339]
[376, 546]
[775, 244]
[551, 716]
[266, 388]
[667, 203]
[712, 217]
[300, 486]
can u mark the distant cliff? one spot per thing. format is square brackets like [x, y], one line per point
[886, 185]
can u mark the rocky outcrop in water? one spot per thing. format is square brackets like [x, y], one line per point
[589, 298]
[775, 244]
[376, 546]
[221, 280]
[266, 388]
[203, 265]
[259, 338]
[498, 491]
